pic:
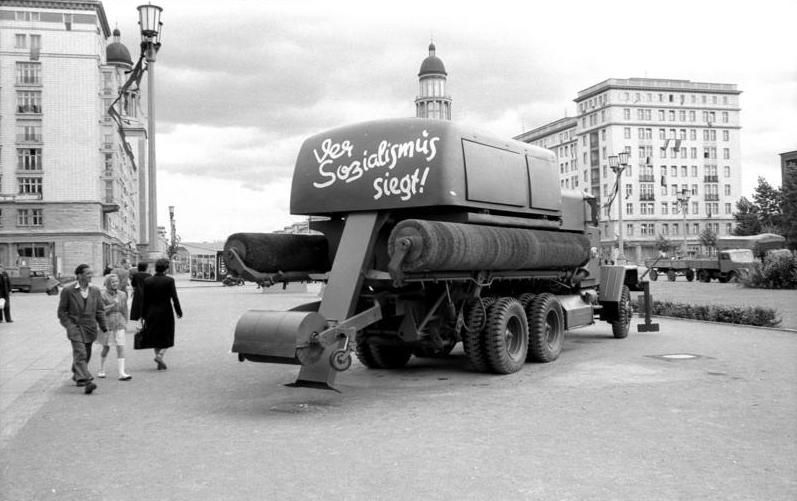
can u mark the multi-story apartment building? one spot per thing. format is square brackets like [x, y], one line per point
[684, 172]
[70, 182]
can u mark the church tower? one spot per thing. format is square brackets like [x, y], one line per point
[432, 101]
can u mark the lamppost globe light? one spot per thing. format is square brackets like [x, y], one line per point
[149, 19]
[623, 158]
[614, 162]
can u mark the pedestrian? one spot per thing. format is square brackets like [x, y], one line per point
[137, 282]
[160, 294]
[115, 303]
[5, 295]
[122, 270]
[81, 311]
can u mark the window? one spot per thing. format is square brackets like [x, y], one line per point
[35, 42]
[693, 134]
[694, 171]
[674, 189]
[726, 170]
[692, 113]
[727, 208]
[629, 190]
[696, 228]
[665, 229]
[20, 41]
[662, 134]
[726, 135]
[28, 74]
[664, 208]
[29, 159]
[671, 115]
[724, 117]
[29, 132]
[29, 101]
[727, 190]
[627, 113]
[695, 207]
[726, 153]
[674, 171]
[694, 189]
[675, 229]
[683, 171]
[30, 217]
[664, 189]
[647, 229]
[661, 115]
[30, 185]
[627, 132]
[728, 228]
[682, 134]
[682, 116]
[629, 230]
[629, 209]
[646, 209]
[693, 152]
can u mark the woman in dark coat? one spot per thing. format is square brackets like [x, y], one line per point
[159, 295]
[137, 282]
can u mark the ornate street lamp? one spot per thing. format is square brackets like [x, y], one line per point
[618, 164]
[151, 28]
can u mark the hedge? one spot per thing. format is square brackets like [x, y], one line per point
[759, 316]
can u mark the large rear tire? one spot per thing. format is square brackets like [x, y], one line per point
[624, 312]
[690, 275]
[506, 338]
[472, 339]
[546, 328]
[390, 357]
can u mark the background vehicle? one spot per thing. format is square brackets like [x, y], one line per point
[23, 279]
[428, 234]
[734, 257]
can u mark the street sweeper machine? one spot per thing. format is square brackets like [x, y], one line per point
[427, 234]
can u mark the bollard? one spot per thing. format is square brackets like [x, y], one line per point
[646, 305]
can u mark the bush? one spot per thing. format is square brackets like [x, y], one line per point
[742, 315]
[777, 271]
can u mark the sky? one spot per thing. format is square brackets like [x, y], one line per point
[240, 84]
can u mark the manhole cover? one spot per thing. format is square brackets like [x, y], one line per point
[677, 356]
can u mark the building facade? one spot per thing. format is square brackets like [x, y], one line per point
[432, 101]
[70, 182]
[684, 172]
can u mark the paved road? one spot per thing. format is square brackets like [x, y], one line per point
[611, 419]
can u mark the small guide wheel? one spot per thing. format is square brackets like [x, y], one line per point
[340, 360]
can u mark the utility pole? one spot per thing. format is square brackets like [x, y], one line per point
[683, 203]
[618, 164]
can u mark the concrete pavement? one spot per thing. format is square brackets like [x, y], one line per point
[697, 411]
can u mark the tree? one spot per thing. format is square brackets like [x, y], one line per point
[789, 205]
[665, 245]
[709, 239]
[746, 216]
[769, 201]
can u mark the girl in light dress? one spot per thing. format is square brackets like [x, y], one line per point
[115, 302]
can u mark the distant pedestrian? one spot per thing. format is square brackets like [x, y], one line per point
[5, 295]
[137, 283]
[81, 311]
[160, 294]
[115, 303]
[122, 270]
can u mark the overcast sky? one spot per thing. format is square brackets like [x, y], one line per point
[240, 84]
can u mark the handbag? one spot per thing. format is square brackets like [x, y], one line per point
[140, 341]
[2, 303]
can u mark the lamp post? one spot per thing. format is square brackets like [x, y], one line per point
[683, 203]
[151, 27]
[618, 164]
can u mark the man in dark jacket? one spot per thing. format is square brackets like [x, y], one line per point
[81, 310]
[137, 282]
[5, 293]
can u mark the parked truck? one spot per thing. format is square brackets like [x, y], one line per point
[428, 234]
[735, 255]
[23, 279]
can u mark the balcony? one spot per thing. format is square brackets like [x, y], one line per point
[712, 197]
[647, 178]
[711, 179]
[29, 108]
[29, 138]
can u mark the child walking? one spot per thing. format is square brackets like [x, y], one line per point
[115, 302]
